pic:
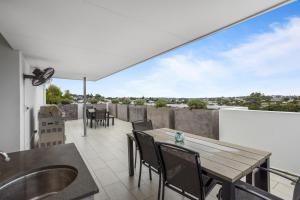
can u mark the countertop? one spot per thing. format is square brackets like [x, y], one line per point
[24, 162]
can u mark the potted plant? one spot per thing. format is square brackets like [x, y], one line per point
[196, 104]
[161, 103]
[115, 101]
[197, 119]
[139, 102]
[93, 100]
[126, 101]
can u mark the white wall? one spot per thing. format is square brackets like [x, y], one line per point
[33, 98]
[277, 132]
[19, 100]
[10, 110]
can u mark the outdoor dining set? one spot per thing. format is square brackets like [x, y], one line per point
[194, 166]
[99, 116]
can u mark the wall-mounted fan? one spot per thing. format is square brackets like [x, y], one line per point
[40, 76]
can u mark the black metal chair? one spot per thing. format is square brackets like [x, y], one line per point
[148, 156]
[182, 172]
[140, 126]
[88, 114]
[247, 191]
[100, 117]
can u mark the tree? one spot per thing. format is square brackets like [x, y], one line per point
[222, 101]
[254, 100]
[93, 100]
[115, 101]
[125, 101]
[286, 99]
[139, 102]
[53, 95]
[161, 103]
[99, 97]
[68, 95]
[197, 104]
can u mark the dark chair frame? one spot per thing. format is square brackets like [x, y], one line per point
[89, 116]
[135, 129]
[264, 195]
[141, 122]
[103, 120]
[144, 162]
[199, 172]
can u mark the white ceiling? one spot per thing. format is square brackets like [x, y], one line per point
[96, 38]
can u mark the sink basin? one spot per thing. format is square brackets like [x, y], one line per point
[39, 184]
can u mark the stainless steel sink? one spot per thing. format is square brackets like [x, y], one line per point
[39, 184]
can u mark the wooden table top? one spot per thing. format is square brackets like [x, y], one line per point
[225, 160]
[91, 110]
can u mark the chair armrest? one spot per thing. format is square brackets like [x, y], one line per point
[281, 174]
[256, 192]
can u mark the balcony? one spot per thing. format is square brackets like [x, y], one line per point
[90, 40]
[104, 151]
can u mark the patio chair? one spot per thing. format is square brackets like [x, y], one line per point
[182, 172]
[148, 156]
[247, 191]
[88, 114]
[140, 126]
[100, 117]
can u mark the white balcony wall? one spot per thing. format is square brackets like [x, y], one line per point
[10, 93]
[277, 132]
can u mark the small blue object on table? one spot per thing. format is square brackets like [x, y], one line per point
[179, 137]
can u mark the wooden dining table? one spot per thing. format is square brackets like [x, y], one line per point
[92, 112]
[223, 161]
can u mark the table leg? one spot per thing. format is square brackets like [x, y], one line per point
[130, 156]
[262, 178]
[228, 191]
[249, 178]
[113, 121]
[107, 122]
[91, 123]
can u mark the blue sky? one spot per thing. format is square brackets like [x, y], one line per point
[261, 54]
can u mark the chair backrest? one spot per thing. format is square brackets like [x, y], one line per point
[88, 114]
[296, 195]
[142, 125]
[181, 168]
[100, 114]
[148, 150]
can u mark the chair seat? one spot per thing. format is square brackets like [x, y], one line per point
[240, 194]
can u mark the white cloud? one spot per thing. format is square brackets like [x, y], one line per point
[176, 75]
[269, 53]
[261, 58]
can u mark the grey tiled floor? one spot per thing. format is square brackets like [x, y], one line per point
[104, 151]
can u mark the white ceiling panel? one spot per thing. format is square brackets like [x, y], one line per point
[96, 38]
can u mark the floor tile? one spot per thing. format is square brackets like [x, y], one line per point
[106, 176]
[117, 191]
